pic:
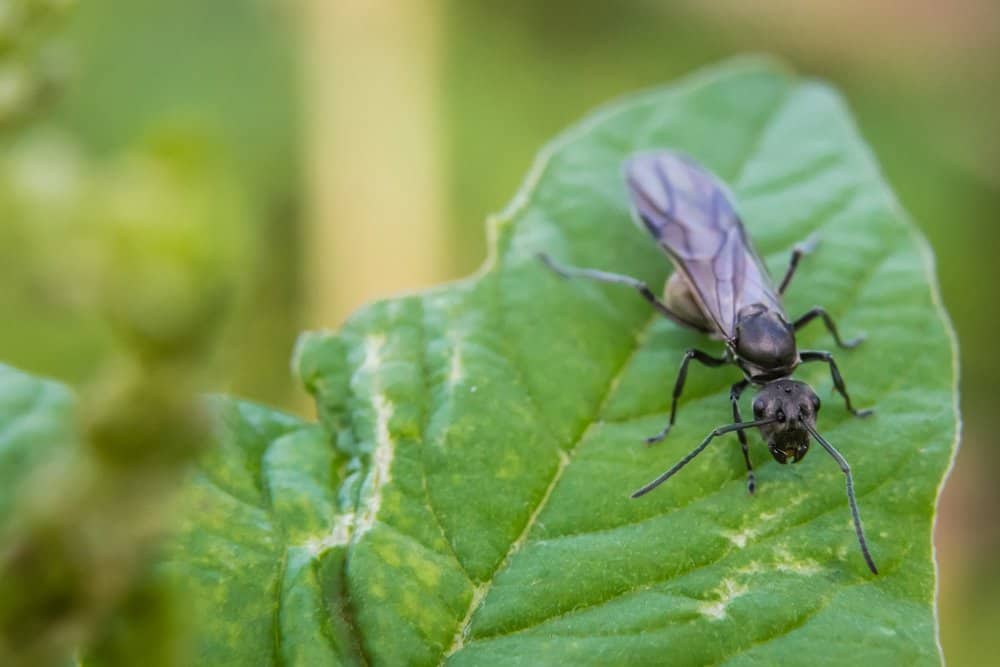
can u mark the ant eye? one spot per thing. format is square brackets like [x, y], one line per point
[816, 402]
[758, 408]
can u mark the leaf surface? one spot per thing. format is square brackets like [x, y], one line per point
[259, 552]
[497, 421]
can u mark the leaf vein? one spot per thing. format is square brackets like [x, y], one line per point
[429, 409]
[564, 461]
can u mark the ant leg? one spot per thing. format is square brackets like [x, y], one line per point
[734, 395]
[618, 279]
[722, 430]
[855, 513]
[704, 358]
[819, 311]
[798, 251]
[838, 381]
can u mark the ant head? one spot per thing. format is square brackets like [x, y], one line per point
[792, 405]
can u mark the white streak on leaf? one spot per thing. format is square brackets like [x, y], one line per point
[339, 535]
[455, 370]
[379, 474]
[727, 591]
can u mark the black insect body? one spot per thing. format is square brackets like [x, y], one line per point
[721, 287]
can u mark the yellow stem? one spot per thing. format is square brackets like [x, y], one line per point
[375, 216]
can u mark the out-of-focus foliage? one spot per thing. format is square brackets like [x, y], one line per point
[207, 87]
[170, 224]
[82, 514]
[74, 564]
[224, 72]
[33, 58]
[144, 239]
[151, 242]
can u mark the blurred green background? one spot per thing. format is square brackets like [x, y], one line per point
[343, 150]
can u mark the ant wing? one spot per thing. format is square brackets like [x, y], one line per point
[689, 211]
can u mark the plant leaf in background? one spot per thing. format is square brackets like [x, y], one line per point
[464, 498]
[35, 423]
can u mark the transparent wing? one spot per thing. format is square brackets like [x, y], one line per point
[689, 211]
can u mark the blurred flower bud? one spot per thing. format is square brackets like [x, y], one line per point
[169, 221]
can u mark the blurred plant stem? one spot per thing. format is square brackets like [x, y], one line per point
[376, 218]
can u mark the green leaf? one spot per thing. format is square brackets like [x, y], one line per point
[497, 422]
[464, 498]
[35, 425]
[259, 552]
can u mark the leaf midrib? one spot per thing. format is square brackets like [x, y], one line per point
[482, 590]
